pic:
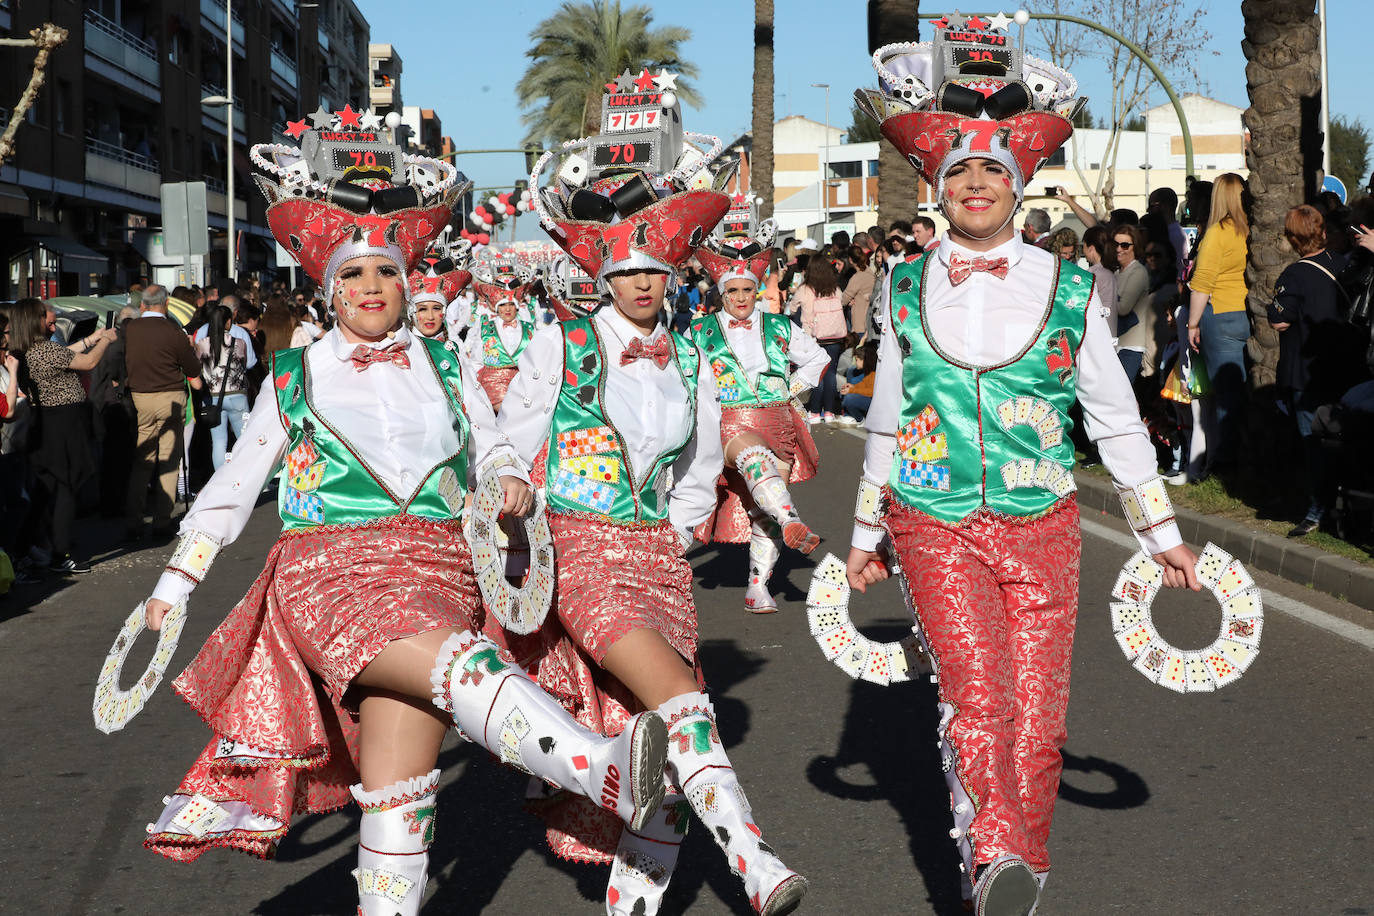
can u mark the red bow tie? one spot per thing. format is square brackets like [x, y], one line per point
[960, 268]
[740, 323]
[658, 351]
[510, 324]
[364, 356]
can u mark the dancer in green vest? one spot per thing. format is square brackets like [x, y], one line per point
[767, 441]
[367, 609]
[986, 343]
[494, 347]
[434, 283]
[624, 414]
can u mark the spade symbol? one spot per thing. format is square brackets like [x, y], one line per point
[547, 744]
[904, 285]
[586, 394]
[697, 235]
[724, 836]
[764, 847]
[639, 908]
[296, 243]
[589, 363]
[905, 343]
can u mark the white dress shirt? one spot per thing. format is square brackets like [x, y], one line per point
[985, 321]
[510, 339]
[399, 421]
[747, 344]
[647, 405]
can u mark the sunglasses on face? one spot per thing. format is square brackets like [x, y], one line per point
[1124, 244]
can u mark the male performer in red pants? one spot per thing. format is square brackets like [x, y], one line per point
[986, 344]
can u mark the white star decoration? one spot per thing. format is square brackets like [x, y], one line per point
[1001, 22]
[370, 120]
[665, 80]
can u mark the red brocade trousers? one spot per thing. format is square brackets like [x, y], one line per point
[996, 599]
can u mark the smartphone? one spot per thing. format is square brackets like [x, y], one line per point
[1051, 190]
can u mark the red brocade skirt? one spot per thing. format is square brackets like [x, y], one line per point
[612, 580]
[496, 382]
[273, 676]
[784, 430]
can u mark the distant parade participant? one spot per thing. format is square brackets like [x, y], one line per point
[367, 609]
[434, 283]
[572, 294]
[987, 342]
[494, 348]
[625, 416]
[766, 439]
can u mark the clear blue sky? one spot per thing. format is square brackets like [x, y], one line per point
[454, 64]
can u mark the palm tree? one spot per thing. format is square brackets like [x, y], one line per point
[580, 48]
[1284, 155]
[761, 156]
[889, 21]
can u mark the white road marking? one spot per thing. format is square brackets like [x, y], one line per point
[1273, 601]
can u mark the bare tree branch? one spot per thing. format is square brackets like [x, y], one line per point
[46, 37]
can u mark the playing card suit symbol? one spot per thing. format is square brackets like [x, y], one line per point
[670, 228]
[612, 896]
[923, 143]
[696, 237]
[904, 285]
[586, 394]
[589, 363]
[905, 344]
[423, 228]
[569, 377]
[902, 313]
[578, 336]
[296, 243]
[283, 381]
[1037, 142]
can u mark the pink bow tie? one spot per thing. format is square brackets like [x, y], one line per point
[658, 351]
[960, 268]
[740, 323]
[364, 356]
[510, 324]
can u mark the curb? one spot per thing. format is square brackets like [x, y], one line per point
[1291, 560]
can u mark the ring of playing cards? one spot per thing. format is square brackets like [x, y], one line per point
[827, 612]
[1184, 671]
[113, 707]
[518, 609]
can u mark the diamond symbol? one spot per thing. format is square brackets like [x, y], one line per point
[580, 762]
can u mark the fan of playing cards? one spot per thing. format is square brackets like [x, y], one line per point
[520, 610]
[1197, 671]
[827, 611]
[113, 707]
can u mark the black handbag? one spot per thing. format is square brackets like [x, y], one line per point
[211, 411]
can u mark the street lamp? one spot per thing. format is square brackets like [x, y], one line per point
[825, 168]
[226, 101]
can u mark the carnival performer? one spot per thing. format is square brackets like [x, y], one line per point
[625, 417]
[434, 283]
[495, 348]
[366, 609]
[986, 344]
[767, 442]
[572, 294]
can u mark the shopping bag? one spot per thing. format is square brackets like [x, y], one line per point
[1199, 383]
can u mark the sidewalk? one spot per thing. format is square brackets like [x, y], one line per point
[1280, 556]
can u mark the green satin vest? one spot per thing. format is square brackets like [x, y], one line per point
[326, 482]
[734, 385]
[997, 436]
[494, 353]
[589, 470]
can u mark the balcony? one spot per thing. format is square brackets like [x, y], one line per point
[215, 113]
[283, 69]
[212, 17]
[324, 40]
[123, 169]
[117, 54]
[214, 200]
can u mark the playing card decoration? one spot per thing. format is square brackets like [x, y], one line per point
[1189, 671]
[113, 706]
[827, 613]
[519, 610]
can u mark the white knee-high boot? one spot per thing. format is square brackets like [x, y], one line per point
[645, 859]
[699, 766]
[393, 845]
[759, 468]
[763, 556]
[495, 704]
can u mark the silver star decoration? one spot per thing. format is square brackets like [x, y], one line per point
[665, 81]
[1001, 22]
[370, 120]
[625, 82]
[956, 21]
[321, 118]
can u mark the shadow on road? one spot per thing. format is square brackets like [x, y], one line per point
[1129, 789]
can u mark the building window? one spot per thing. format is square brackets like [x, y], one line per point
[63, 107]
[873, 168]
[846, 169]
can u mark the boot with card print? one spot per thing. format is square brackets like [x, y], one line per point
[394, 837]
[759, 468]
[496, 704]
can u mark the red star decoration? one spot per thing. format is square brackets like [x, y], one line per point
[348, 117]
[941, 23]
[295, 128]
[610, 87]
[644, 82]
[737, 201]
[976, 22]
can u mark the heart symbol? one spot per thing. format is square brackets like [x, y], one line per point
[283, 381]
[1037, 142]
[670, 228]
[578, 336]
[423, 228]
[923, 143]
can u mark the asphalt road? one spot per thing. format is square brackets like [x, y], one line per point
[1251, 800]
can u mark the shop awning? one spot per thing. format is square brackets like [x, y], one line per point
[76, 257]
